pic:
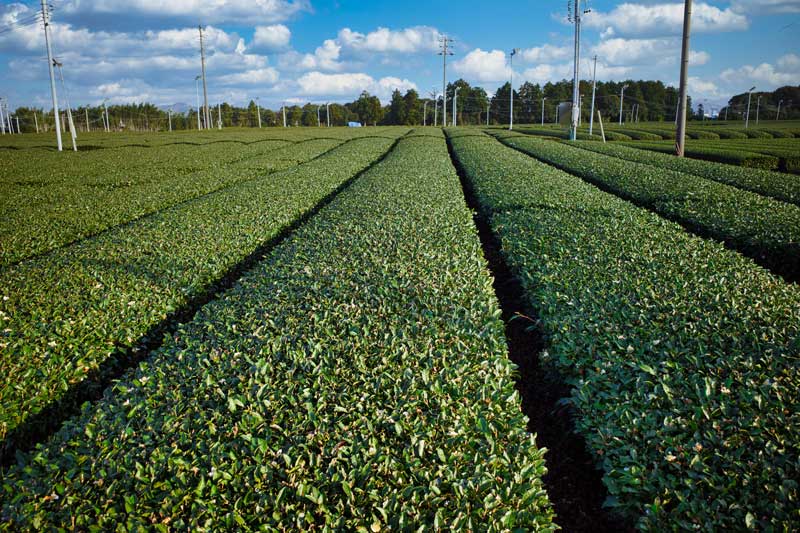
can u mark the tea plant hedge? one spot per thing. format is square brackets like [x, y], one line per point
[758, 226]
[115, 189]
[682, 354]
[773, 184]
[355, 380]
[64, 315]
[730, 156]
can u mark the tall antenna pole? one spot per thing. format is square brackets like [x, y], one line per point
[511, 113]
[680, 136]
[206, 110]
[573, 133]
[46, 19]
[444, 43]
[594, 91]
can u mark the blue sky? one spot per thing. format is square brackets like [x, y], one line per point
[320, 51]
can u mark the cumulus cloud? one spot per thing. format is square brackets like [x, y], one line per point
[383, 40]
[261, 76]
[647, 52]
[546, 54]
[274, 37]
[483, 66]
[766, 75]
[544, 73]
[216, 12]
[350, 85]
[663, 19]
[766, 6]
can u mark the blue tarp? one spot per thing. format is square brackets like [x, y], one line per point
[353, 124]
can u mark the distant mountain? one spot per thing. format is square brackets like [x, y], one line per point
[176, 108]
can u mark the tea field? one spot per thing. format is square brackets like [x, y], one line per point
[303, 329]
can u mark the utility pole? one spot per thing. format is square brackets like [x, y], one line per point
[107, 121]
[328, 113]
[219, 116]
[435, 98]
[36, 121]
[622, 99]
[69, 107]
[455, 106]
[444, 42]
[169, 114]
[778, 114]
[17, 120]
[203, 74]
[758, 108]
[86, 116]
[576, 80]
[2, 119]
[197, 91]
[511, 64]
[319, 121]
[425, 114]
[284, 114]
[258, 109]
[747, 118]
[594, 91]
[543, 99]
[46, 20]
[680, 136]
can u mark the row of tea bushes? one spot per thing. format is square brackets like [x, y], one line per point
[682, 354]
[75, 312]
[764, 182]
[355, 380]
[760, 227]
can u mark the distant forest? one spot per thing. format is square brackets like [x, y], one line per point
[649, 100]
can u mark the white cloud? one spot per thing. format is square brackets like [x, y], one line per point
[217, 11]
[546, 53]
[350, 85]
[383, 40]
[702, 89]
[765, 76]
[698, 57]
[262, 76]
[483, 66]
[544, 73]
[760, 7]
[664, 19]
[274, 37]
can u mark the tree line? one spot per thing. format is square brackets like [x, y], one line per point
[533, 103]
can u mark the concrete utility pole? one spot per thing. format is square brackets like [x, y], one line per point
[444, 42]
[435, 98]
[2, 119]
[17, 120]
[219, 116]
[778, 114]
[328, 113]
[36, 121]
[511, 65]
[86, 116]
[455, 106]
[621, 100]
[425, 114]
[594, 92]
[197, 91]
[203, 74]
[46, 20]
[169, 114]
[319, 120]
[758, 108]
[284, 114]
[107, 120]
[576, 80]
[258, 110]
[680, 135]
[747, 118]
[69, 107]
[543, 100]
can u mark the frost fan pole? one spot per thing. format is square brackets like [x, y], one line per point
[206, 111]
[680, 136]
[46, 19]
